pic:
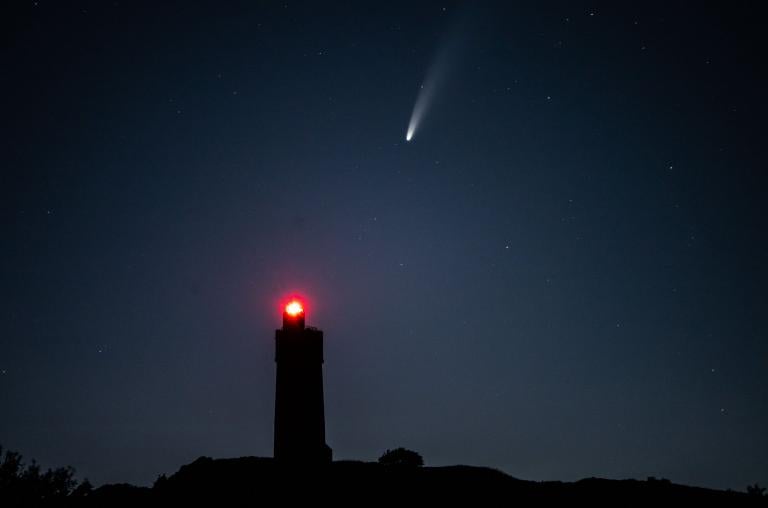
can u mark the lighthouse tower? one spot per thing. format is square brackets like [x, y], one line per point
[299, 405]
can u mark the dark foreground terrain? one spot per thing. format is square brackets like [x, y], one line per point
[253, 480]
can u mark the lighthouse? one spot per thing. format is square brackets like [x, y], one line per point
[299, 404]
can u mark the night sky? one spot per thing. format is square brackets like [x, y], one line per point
[561, 275]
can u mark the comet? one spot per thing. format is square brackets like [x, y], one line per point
[433, 81]
[423, 99]
[450, 51]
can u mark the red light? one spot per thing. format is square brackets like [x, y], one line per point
[294, 308]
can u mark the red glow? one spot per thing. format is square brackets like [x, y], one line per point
[294, 308]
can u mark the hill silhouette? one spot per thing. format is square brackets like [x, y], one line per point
[254, 479]
[397, 478]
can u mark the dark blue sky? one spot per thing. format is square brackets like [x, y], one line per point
[562, 275]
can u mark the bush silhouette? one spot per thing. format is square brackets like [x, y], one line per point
[401, 457]
[22, 484]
